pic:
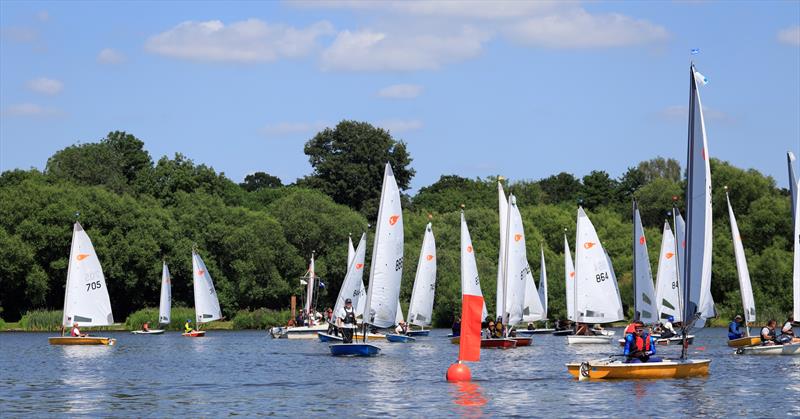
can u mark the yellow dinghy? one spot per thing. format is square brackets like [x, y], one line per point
[88, 340]
[370, 336]
[608, 369]
[745, 341]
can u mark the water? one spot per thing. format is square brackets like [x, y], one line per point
[248, 373]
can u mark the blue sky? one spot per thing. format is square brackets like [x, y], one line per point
[522, 89]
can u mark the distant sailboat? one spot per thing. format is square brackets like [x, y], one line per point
[643, 293]
[569, 287]
[352, 283]
[86, 299]
[165, 303]
[420, 310]
[668, 294]
[206, 304]
[748, 303]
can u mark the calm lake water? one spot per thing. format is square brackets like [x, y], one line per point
[248, 373]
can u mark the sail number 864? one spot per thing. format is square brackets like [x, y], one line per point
[602, 276]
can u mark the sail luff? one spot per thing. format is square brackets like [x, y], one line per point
[352, 283]
[72, 251]
[503, 218]
[793, 182]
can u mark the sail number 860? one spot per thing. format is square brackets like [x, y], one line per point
[602, 276]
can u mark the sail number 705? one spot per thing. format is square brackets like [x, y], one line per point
[93, 285]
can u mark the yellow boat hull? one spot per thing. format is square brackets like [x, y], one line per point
[603, 369]
[89, 340]
[745, 341]
[370, 336]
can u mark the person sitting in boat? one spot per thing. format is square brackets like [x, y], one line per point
[187, 327]
[499, 330]
[146, 327]
[346, 321]
[640, 346]
[457, 326]
[735, 328]
[787, 329]
[488, 332]
[76, 332]
[667, 329]
[530, 326]
[629, 329]
[402, 328]
[768, 333]
[583, 330]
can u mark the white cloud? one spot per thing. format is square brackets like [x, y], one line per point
[30, 109]
[46, 86]
[110, 56]
[578, 28]
[368, 50]
[400, 91]
[483, 10]
[400, 125]
[246, 41]
[790, 36]
[292, 129]
[681, 113]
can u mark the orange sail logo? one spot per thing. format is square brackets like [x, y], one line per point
[359, 265]
[429, 257]
[393, 219]
[82, 256]
[669, 255]
[469, 249]
[201, 272]
[642, 240]
[517, 237]
[588, 245]
[572, 274]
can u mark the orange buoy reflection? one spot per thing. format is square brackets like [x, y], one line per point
[469, 396]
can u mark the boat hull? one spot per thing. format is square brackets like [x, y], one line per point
[603, 369]
[370, 336]
[567, 332]
[354, 349]
[676, 340]
[589, 340]
[787, 349]
[399, 338]
[195, 334]
[522, 341]
[149, 332]
[324, 337]
[525, 332]
[88, 340]
[302, 332]
[745, 341]
[415, 333]
[498, 343]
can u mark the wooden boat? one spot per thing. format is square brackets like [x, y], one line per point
[415, 333]
[608, 369]
[745, 341]
[354, 349]
[148, 332]
[498, 343]
[324, 337]
[522, 341]
[88, 340]
[195, 334]
[370, 336]
[787, 349]
[675, 340]
[399, 338]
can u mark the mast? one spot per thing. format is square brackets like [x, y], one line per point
[69, 270]
[636, 312]
[505, 263]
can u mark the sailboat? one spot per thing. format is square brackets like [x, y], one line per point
[542, 297]
[667, 291]
[569, 287]
[86, 299]
[165, 303]
[697, 301]
[748, 303]
[310, 331]
[420, 310]
[206, 304]
[351, 285]
[596, 291]
[386, 268]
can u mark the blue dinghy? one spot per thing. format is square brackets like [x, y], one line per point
[354, 349]
[418, 332]
[399, 338]
[324, 337]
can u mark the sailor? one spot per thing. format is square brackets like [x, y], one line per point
[668, 330]
[146, 327]
[629, 330]
[346, 321]
[187, 327]
[499, 329]
[488, 332]
[735, 328]
[787, 333]
[768, 333]
[402, 328]
[75, 332]
[457, 326]
[640, 346]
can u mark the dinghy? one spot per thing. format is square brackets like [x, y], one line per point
[787, 349]
[675, 340]
[748, 303]
[324, 337]
[507, 343]
[86, 299]
[351, 285]
[206, 304]
[165, 303]
[399, 338]
[310, 280]
[386, 269]
[610, 369]
[420, 310]
[148, 332]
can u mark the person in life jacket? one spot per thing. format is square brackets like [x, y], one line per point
[631, 329]
[456, 329]
[768, 333]
[187, 327]
[146, 327]
[668, 330]
[76, 332]
[735, 328]
[346, 321]
[640, 346]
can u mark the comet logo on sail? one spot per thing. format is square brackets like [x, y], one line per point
[517, 237]
[82, 256]
[588, 245]
[393, 219]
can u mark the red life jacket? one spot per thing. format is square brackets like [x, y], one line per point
[641, 343]
[630, 329]
[75, 332]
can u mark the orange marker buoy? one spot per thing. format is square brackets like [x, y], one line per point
[458, 372]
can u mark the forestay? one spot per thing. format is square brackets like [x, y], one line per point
[86, 295]
[387, 257]
[420, 310]
[597, 297]
[165, 305]
[748, 303]
[668, 294]
[206, 304]
[569, 278]
[644, 294]
[353, 279]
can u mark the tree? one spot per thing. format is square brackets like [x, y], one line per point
[258, 180]
[660, 168]
[598, 189]
[170, 176]
[563, 187]
[349, 162]
[450, 191]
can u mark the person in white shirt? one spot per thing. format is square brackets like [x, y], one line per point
[669, 330]
[346, 321]
[402, 328]
[787, 332]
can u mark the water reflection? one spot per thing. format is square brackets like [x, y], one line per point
[468, 397]
[82, 373]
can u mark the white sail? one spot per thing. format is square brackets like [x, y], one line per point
[503, 216]
[699, 240]
[420, 310]
[206, 304]
[165, 305]
[351, 252]
[597, 298]
[543, 283]
[521, 297]
[310, 284]
[362, 302]
[569, 280]
[793, 182]
[668, 295]
[399, 316]
[748, 303]
[353, 279]
[86, 294]
[644, 294]
[387, 257]
[470, 282]
[796, 264]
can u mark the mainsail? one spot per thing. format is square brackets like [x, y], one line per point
[793, 182]
[521, 299]
[796, 264]
[668, 295]
[165, 305]
[643, 292]
[86, 294]
[420, 310]
[543, 284]
[310, 284]
[206, 304]
[351, 286]
[569, 278]
[503, 215]
[748, 303]
[386, 269]
[597, 297]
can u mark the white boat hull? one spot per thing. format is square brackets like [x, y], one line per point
[303, 332]
[149, 332]
[589, 340]
[788, 349]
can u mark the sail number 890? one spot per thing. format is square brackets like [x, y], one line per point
[93, 286]
[602, 276]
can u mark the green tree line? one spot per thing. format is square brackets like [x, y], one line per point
[256, 237]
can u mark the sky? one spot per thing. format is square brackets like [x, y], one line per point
[513, 88]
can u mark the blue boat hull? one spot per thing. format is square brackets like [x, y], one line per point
[400, 338]
[354, 349]
[324, 337]
[418, 332]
